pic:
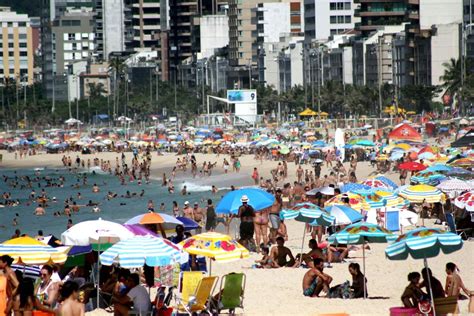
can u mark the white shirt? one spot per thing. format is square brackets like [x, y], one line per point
[140, 298]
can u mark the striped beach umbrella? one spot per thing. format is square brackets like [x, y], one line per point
[351, 186]
[308, 213]
[344, 215]
[361, 233]
[421, 192]
[454, 185]
[439, 168]
[427, 177]
[392, 199]
[355, 201]
[140, 250]
[463, 163]
[423, 243]
[29, 251]
[164, 221]
[387, 181]
[371, 198]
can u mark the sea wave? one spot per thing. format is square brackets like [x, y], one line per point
[197, 187]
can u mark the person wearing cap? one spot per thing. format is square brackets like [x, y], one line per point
[246, 214]
[188, 211]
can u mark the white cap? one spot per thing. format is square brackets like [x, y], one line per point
[186, 203]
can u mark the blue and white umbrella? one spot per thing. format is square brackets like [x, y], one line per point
[257, 198]
[423, 243]
[439, 168]
[387, 181]
[343, 215]
[351, 186]
[140, 250]
[308, 213]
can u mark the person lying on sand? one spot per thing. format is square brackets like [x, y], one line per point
[280, 253]
[315, 280]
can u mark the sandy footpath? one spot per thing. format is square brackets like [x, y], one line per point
[279, 291]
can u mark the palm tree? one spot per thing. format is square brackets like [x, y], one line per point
[452, 76]
[118, 69]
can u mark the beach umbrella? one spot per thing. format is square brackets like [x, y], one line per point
[454, 185]
[424, 243]
[420, 192]
[351, 186]
[188, 223]
[463, 163]
[284, 150]
[164, 221]
[412, 166]
[439, 168]
[343, 215]
[216, 246]
[355, 201]
[307, 213]
[459, 172]
[137, 251]
[361, 233]
[392, 199]
[387, 181]
[427, 177]
[29, 251]
[323, 190]
[376, 183]
[257, 198]
[140, 230]
[462, 200]
[365, 143]
[99, 233]
[371, 198]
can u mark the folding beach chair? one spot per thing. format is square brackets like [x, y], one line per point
[198, 301]
[231, 293]
[452, 225]
[189, 281]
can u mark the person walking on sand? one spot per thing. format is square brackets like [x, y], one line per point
[211, 221]
[255, 176]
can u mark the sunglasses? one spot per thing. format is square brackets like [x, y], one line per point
[44, 274]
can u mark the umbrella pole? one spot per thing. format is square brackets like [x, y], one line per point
[363, 269]
[210, 266]
[425, 261]
[302, 245]
[98, 274]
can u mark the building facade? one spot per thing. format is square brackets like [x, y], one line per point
[16, 47]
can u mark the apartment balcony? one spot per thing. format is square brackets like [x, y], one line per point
[357, 13]
[417, 2]
[185, 13]
[186, 3]
[381, 13]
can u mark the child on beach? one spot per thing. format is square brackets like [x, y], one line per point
[266, 262]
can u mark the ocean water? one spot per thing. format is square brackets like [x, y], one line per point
[119, 209]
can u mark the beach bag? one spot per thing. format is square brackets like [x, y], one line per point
[341, 291]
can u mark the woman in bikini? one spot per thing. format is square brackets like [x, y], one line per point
[260, 222]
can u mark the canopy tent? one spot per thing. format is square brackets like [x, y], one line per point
[308, 112]
[466, 141]
[405, 132]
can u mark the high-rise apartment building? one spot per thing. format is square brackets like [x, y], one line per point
[16, 47]
[328, 17]
[181, 15]
[111, 26]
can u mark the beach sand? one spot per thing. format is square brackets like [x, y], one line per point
[279, 291]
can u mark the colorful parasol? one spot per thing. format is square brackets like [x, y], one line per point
[421, 192]
[29, 251]
[411, 166]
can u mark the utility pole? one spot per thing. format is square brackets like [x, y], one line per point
[380, 73]
[202, 86]
[319, 84]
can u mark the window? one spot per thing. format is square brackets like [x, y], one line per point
[332, 6]
[333, 32]
[10, 45]
[23, 54]
[10, 36]
[21, 24]
[333, 19]
[10, 54]
[23, 45]
[347, 19]
[340, 19]
[22, 36]
[347, 5]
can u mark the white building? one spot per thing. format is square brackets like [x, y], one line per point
[214, 33]
[323, 18]
[109, 27]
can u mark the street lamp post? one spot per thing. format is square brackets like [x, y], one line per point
[380, 72]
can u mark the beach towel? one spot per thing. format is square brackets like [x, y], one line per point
[340, 291]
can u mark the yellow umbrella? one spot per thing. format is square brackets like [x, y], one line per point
[30, 251]
[216, 246]
[421, 192]
[403, 146]
[308, 112]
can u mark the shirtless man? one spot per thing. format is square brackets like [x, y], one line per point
[70, 305]
[188, 211]
[198, 216]
[315, 281]
[308, 258]
[280, 253]
[299, 173]
[274, 216]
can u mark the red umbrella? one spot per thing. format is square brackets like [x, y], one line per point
[412, 166]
